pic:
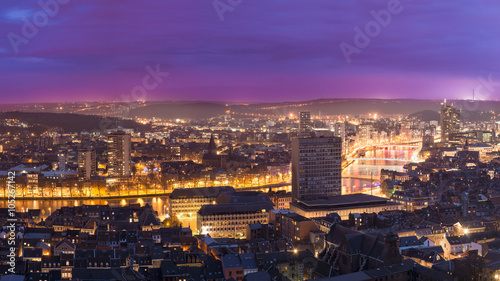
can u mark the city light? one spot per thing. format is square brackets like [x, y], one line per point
[250, 140]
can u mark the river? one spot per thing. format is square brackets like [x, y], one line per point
[356, 177]
[350, 184]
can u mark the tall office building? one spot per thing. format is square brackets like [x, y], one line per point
[316, 167]
[61, 160]
[119, 146]
[339, 131]
[305, 125]
[87, 165]
[450, 121]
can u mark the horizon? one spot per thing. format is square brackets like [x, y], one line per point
[251, 103]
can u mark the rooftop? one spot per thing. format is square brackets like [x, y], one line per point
[457, 240]
[231, 261]
[342, 201]
[235, 208]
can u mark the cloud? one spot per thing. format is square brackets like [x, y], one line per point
[16, 15]
[263, 50]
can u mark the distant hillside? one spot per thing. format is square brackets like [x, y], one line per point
[195, 110]
[426, 115]
[68, 122]
[477, 116]
[200, 109]
[473, 116]
[365, 106]
[344, 106]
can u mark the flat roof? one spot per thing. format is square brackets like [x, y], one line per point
[235, 208]
[296, 217]
[343, 202]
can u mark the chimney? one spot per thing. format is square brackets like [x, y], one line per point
[392, 245]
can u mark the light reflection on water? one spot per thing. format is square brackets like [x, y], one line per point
[371, 168]
[349, 185]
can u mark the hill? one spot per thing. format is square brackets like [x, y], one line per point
[426, 115]
[68, 122]
[194, 110]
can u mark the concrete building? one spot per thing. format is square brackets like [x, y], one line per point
[61, 160]
[232, 267]
[468, 227]
[458, 246]
[305, 124]
[450, 121]
[257, 231]
[482, 148]
[339, 131]
[281, 199]
[316, 167]
[186, 202]
[295, 227]
[119, 148]
[343, 205]
[230, 219]
[87, 165]
[413, 200]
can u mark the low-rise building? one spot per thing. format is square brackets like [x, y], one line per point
[295, 227]
[468, 227]
[412, 200]
[343, 205]
[231, 219]
[281, 200]
[186, 202]
[232, 267]
[458, 246]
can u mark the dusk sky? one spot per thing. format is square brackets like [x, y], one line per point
[273, 50]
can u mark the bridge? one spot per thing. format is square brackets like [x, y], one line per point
[375, 158]
[397, 145]
[361, 177]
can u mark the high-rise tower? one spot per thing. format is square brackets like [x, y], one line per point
[450, 121]
[305, 125]
[119, 146]
[316, 167]
[87, 165]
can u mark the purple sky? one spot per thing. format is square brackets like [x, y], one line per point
[273, 50]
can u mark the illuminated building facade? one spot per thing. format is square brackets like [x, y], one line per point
[87, 165]
[316, 167]
[305, 124]
[231, 219]
[119, 146]
[450, 121]
[186, 202]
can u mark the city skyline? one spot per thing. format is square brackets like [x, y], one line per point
[248, 52]
[237, 140]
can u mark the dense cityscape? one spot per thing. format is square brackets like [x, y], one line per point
[300, 196]
[237, 140]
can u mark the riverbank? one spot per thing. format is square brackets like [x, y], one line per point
[143, 195]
